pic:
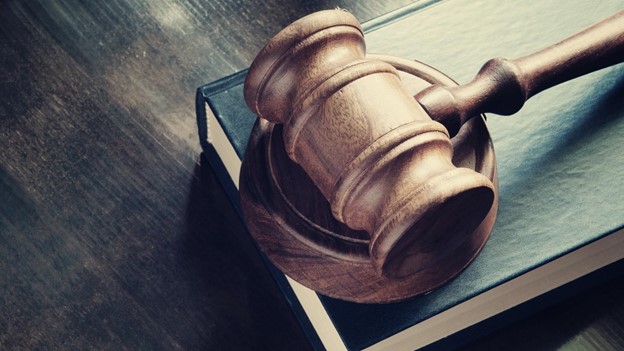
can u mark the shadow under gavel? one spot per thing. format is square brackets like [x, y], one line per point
[382, 157]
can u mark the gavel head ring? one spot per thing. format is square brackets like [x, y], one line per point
[382, 163]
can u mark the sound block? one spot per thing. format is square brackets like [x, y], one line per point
[292, 221]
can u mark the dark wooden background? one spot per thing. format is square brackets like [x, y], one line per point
[112, 235]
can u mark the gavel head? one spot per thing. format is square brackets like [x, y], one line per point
[382, 163]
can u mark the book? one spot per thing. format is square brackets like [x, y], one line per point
[560, 217]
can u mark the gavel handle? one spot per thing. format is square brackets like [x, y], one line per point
[502, 86]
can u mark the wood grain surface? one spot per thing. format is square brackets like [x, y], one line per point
[109, 236]
[113, 236]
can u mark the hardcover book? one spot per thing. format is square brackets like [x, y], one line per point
[561, 190]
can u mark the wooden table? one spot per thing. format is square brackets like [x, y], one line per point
[112, 234]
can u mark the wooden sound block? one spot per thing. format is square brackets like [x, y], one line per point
[293, 224]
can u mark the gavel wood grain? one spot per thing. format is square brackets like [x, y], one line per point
[350, 186]
[293, 223]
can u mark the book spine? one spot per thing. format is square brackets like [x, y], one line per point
[225, 164]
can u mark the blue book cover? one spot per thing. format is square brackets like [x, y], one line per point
[560, 165]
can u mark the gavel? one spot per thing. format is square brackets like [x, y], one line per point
[383, 158]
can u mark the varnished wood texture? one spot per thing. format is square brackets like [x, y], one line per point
[111, 235]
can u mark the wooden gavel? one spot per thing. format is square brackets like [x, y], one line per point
[383, 158]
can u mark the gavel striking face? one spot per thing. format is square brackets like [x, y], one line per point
[379, 155]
